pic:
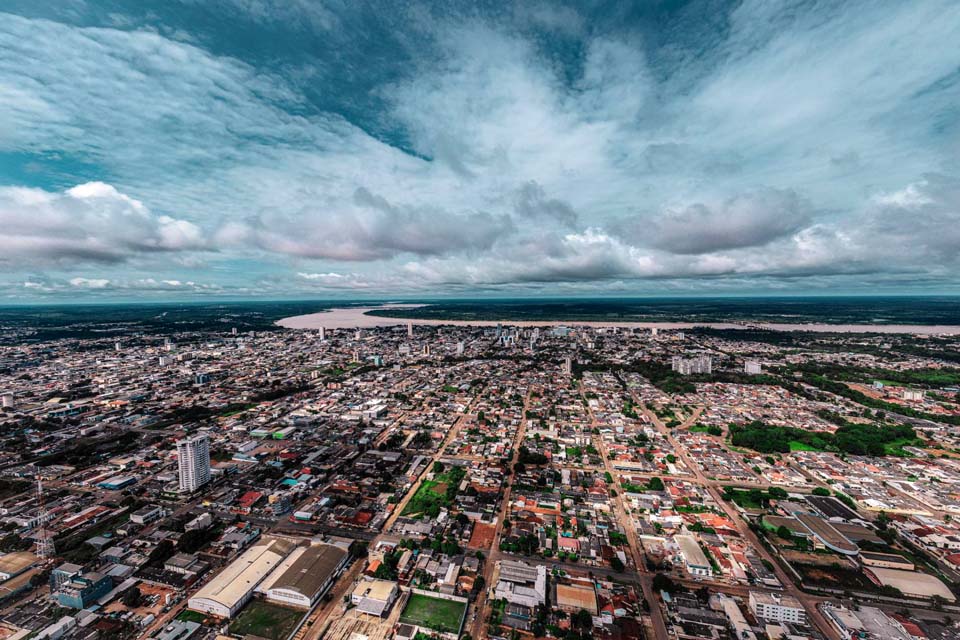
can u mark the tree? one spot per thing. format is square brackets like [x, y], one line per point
[655, 484]
[195, 539]
[662, 582]
[132, 597]
[784, 532]
[161, 553]
[358, 548]
[582, 619]
[821, 491]
[616, 564]
[777, 492]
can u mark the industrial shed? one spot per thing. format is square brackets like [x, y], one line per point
[305, 575]
[226, 594]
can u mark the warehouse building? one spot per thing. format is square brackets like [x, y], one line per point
[694, 559]
[305, 575]
[910, 583]
[226, 594]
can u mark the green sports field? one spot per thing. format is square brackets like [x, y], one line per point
[266, 620]
[434, 613]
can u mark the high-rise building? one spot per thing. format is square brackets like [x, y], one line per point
[752, 367]
[687, 366]
[568, 365]
[323, 334]
[7, 400]
[460, 348]
[409, 329]
[193, 456]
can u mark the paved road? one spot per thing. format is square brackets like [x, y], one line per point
[633, 542]
[477, 627]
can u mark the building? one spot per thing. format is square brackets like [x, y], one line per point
[186, 564]
[13, 564]
[233, 587]
[193, 457]
[522, 584]
[305, 575]
[752, 367]
[694, 559]
[827, 534]
[375, 597]
[146, 515]
[910, 583]
[574, 597]
[778, 608]
[83, 590]
[202, 521]
[886, 560]
[64, 574]
[695, 365]
[179, 629]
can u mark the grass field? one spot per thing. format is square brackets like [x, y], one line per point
[266, 621]
[434, 613]
[895, 448]
[191, 616]
[796, 445]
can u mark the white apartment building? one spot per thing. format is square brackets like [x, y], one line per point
[777, 608]
[193, 457]
[697, 364]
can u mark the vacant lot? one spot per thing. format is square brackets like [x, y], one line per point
[437, 614]
[266, 621]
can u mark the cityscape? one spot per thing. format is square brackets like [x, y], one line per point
[411, 481]
[480, 320]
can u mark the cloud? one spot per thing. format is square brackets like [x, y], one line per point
[532, 202]
[368, 228]
[89, 222]
[746, 220]
[468, 147]
[89, 283]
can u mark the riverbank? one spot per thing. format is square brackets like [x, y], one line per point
[358, 318]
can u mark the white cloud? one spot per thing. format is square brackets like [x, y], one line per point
[789, 145]
[89, 222]
[89, 283]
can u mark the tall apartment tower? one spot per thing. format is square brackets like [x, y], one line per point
[409, 329]
[323, 334]
[193, 455]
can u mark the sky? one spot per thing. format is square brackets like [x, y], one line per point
[181, 149]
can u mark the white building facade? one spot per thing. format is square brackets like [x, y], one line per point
[193, 457]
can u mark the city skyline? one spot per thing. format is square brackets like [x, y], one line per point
[247, 149]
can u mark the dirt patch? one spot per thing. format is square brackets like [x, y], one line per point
[482, 536]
